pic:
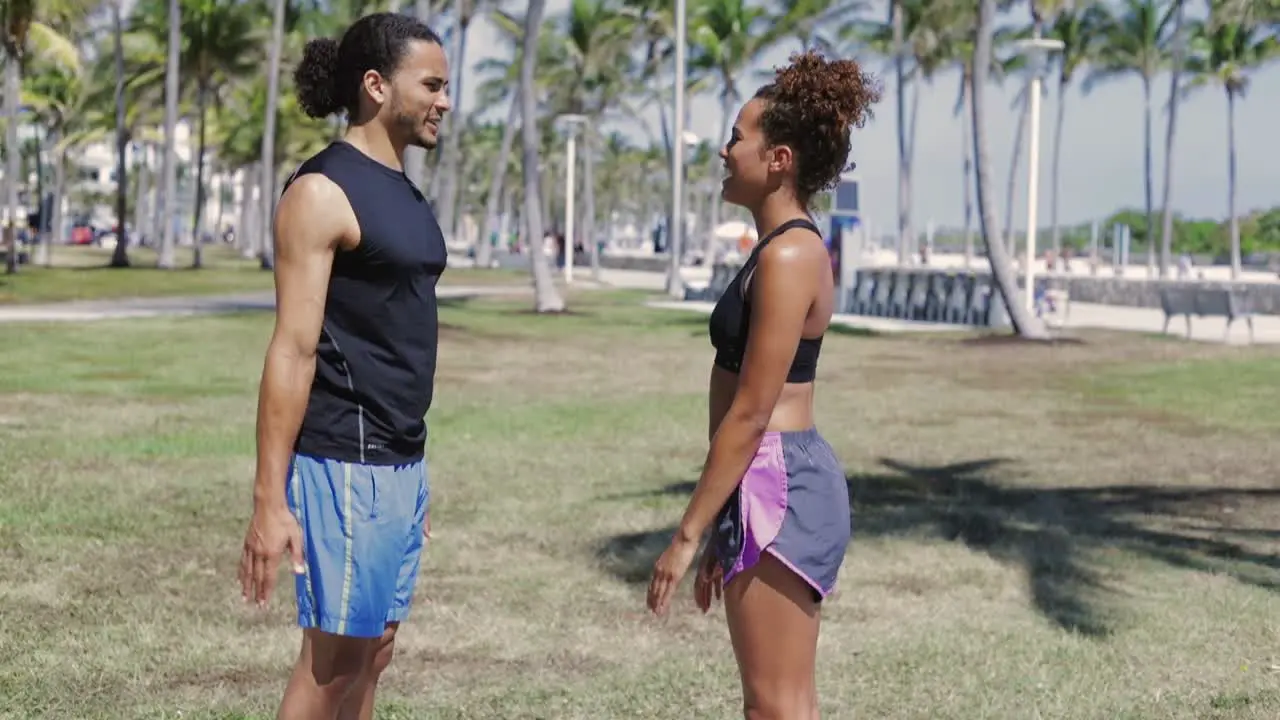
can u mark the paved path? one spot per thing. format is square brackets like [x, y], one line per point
[80, 311]
[1083, 315]
[1266, 328]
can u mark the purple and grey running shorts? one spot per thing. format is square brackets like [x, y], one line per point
[793, 503]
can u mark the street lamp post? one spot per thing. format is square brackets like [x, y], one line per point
[570, 122]
[675, 232]
[1038, 51]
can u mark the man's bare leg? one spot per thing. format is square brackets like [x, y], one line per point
[328, 667]
[358, 704]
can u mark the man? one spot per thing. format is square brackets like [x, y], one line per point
[341, 485]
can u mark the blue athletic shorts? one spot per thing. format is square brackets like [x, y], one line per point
[362, 538]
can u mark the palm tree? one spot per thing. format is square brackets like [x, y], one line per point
[501, 86]
[464, 12]
[54, 92]
[546, 299]
[415, 158]
[727, 37]
[268, 168]
[1078, 30]
[898, 22]
[1223, 51]
[1135, 40]
[1024, 323]
[802, 19]
[169, 165]
[18, 19]
[1175, 78]
[120, 255]
[588, 72]
[219, 45]
[914, 38]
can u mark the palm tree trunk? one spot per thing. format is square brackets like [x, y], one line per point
[913, 238]
[268, 162]
[141, 190]
[1011, 193]
[670, 151]
[1231, 184]
[589, 201]
[548, 187]
[244, 236]
[1166, 225]
[726, 119]
[508, 214]
[439, 178]
[42, 235]
[1146, 174]
[59, 191]
[496, 178]
[1024, 323]
[1054, 191]
[966, 101]
[415, 158]
[169, 201]
[120, 256]
[904, 182]
[447, 206]
[13, 159]
[546, 299]
[197, 223]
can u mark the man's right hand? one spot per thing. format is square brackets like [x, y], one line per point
[273, 531]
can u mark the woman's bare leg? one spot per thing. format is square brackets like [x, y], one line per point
[773, 622]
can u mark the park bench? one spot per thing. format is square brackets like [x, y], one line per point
[956, 305]
[917, 296]
[1206, 302]
[862, 292]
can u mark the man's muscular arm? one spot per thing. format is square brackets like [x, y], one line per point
[312, 220]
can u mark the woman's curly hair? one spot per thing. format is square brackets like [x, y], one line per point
[811, 106]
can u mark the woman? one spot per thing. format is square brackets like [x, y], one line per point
[772, 491]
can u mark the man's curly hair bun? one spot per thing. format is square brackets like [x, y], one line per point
[813, 103]
[314, 80]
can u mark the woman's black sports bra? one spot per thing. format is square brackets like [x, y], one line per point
[731, 318]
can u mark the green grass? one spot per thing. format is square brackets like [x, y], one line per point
[1071, 532]
[1238, 393]
[82, 273]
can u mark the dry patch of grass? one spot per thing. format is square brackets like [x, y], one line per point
[1079, 531]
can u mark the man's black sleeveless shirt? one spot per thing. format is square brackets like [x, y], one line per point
[376, 359]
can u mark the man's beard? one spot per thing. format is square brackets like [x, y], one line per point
[412, 129]
[417, 135]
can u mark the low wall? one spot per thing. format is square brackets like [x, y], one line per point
[1102, 289]
[1264, 298]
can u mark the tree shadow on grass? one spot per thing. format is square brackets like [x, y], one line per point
[1053, 533]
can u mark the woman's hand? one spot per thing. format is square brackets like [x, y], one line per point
[668, 571]
[709, 583]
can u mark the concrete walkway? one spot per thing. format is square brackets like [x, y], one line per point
[1082, 315]
[123, 308]
[1266, 328]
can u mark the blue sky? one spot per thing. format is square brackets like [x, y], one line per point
[1102, 145]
